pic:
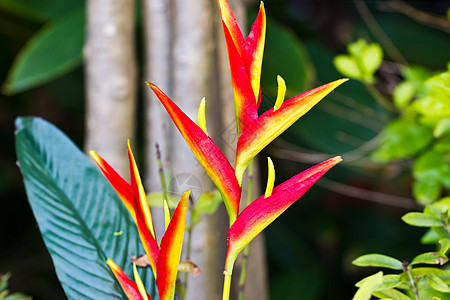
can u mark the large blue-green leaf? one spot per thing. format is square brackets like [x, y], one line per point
[77, 211]
[52, 52]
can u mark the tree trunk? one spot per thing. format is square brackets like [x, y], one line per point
[110, 79]
[186, 57]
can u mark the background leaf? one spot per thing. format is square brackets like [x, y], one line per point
[378, 260]
[403, 138]
[63, 38]
[39, 9]
[421, 220]
[285, 55]
[77, 212]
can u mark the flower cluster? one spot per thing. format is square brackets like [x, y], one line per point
[254, 133]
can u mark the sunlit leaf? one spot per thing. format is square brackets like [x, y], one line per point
[369, 286]
[421, 220]
[378, 260]
[438, 284]
[433, 258]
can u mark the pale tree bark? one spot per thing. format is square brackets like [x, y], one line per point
[110, 79]
[193, 51]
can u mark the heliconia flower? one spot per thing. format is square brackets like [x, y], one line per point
[251, 49]
[134, 198]
[245, 56]
[259, 133]
[168, 260]
[264, 210]
[129, 287]
[170, 253]
[207, 153]
[164, 259]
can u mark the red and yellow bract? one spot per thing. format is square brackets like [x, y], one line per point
[164, 259]
[263, 211]
[129, 286]
[207, 153]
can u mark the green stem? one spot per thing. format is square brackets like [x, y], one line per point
[226, 287]
[385, 103]
[411, 280]
[243, 275]
[161, 173]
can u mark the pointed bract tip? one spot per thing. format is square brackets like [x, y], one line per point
[337, 159]
[92, 153]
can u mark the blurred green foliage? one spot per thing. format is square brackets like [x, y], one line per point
[306, 37]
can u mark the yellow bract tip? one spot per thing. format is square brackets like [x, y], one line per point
[166, 214]
[270, 178]
[139, 283]
[201, 116]
[281, 92]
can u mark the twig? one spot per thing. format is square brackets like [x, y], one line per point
[419, 16]
[368, 195]
[378, 32]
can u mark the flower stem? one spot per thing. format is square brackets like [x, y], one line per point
[161, 172]
[246, 251]
[226, 287]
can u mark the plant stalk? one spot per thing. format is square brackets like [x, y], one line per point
[243, 275]
[411, 280]
[226, 287]
[161, 173]
[381, 100]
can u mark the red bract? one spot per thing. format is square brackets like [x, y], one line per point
[263, 211]
[208, 154]
[129, 286]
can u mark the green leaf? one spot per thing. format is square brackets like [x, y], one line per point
[4, 278]
[372, 58]
[369, 286]
[443, 144]
[431, 258]
[347, 66]
[389, 282]
[442, 128]
[17, 296]
[403, 138]
[285, 55]
[426, 191]
[430, 237]
[391, 294]
[445, 245]
[207, 203]
[157, 200]
[78, 213]
[430, 166]
[438, 284]
[422, 272]
[378, 260]
[421, 220]
[403, 94]
[52, 52]
[39, 9]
